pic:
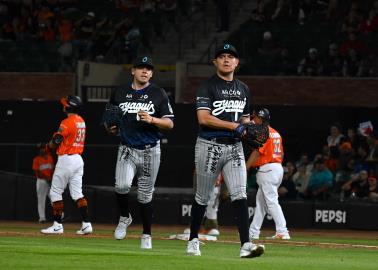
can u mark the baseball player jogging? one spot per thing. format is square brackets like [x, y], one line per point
[267, 159]
[43, 166]
[222, 101]
[141, 109]
[69, 139]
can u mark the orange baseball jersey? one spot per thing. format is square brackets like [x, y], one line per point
[272, 150]
[73, 131]
[44, 166]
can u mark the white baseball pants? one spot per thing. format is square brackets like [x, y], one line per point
[269, 178]
[68, 171]
[42, 188]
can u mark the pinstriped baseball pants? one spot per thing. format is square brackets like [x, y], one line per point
[212, 158]
[144, 164]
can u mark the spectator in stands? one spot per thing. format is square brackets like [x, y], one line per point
[352, 22]
[169, 8]
[301, 179]
[370, 24]
[331, 158]
[346, 154]
[368, 66]
[333, 62]
[354, 138]
[268, 46]
[321, 181]
[333, 11]
[84, 32]
[352, 43]
[372, 158]
[43, 15]
[282, 10]
[335, 137]
[267, 53]
[305, 160]
[47, 31]
[356, 186]
[311, 64]
[65, 28]
[372, 188]
[286, 190]
[283, 63]
[361, 158]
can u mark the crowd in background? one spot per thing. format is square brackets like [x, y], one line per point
[351, 49]
[84, 34]
[345, 169]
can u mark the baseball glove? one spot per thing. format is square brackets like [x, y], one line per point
[112, 116]
[255, 135]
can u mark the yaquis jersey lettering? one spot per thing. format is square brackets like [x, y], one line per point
[73, 131]
[226, 100]
[151, 99]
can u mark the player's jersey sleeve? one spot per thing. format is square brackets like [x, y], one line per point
[165, 107]
[203, 98]
[63, 128]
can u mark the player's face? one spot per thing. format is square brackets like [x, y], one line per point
[142, 75]
[226, 63]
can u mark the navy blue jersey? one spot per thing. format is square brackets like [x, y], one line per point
[226, 100]
[151, 99]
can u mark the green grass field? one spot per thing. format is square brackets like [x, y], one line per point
[22, 247]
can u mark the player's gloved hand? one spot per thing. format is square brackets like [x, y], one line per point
[239, 130]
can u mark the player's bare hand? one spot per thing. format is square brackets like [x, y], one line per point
[145, 117]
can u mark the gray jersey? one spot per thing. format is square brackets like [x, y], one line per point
[219, 150]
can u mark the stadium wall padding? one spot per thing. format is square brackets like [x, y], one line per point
[172, 206]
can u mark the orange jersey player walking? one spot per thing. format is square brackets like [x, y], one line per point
[69, 139]
[268, 160]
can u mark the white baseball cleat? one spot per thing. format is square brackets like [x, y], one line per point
[120, 231]
[280, 236]
[193, 247]
[56, 228]
[250, 250]
[146, 241]
[86, 228]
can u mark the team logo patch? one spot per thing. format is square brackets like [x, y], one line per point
[144, 60]
[226, 46]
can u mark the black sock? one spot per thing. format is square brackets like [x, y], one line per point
[146, 214]
[197, 213]
[84, 213]
[241, 218]
[123, 204]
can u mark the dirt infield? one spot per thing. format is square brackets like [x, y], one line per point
[229, 235]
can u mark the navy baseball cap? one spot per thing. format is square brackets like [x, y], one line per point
[226, 48]
[143, 61]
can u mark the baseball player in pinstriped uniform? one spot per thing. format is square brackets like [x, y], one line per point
[222, 103]
[69, 139]
[145, 109]
[268, 160]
